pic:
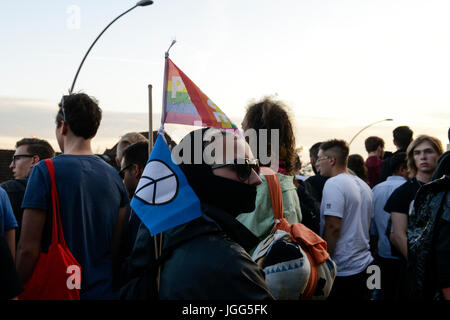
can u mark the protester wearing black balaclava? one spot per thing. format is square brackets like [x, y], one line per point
[207, 257]
[234, 197]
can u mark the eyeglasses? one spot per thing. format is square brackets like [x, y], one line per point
[242, 167]
[122, 171]
[322, 158]
[19, 156]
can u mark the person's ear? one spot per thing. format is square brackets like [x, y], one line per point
[332, 161]
[137, 171]
[404, 172]
[64, 128]
[395, 144]
[35, 159]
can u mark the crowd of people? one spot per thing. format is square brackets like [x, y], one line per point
[390, 210]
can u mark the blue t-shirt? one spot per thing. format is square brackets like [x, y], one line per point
[7, 218]
[90, 194]
[381, 193]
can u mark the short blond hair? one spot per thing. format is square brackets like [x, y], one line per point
[126, 140]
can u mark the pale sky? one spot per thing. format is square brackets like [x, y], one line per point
[338, 65]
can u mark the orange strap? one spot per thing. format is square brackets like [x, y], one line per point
[317, 247]
[313, 277]
[314, 246]
[276, 198]
[275, 191]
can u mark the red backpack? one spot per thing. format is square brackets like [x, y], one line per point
[51, 275]
[293, 257]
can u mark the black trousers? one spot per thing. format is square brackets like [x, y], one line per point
[353, 287]
[392, 278]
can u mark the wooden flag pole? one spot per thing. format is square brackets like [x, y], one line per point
[157, 239]
[150, 120]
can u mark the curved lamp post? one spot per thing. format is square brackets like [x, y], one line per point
[366, 128]
[141, 3]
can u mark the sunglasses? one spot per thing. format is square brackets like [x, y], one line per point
[242, 167]
[122, 171]
[20, 156]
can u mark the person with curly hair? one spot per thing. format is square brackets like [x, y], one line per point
[272, 116]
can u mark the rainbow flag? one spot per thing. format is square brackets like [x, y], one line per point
[185, 103]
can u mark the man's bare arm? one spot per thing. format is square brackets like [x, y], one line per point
[398, 237]
[117, 238]
[331, 232]
[29, 245]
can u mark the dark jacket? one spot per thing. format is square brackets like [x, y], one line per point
[309, 205]
[443, 166]
[316, 184]
[205, 259]
[425, 225]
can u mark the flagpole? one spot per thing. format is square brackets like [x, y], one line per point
[164, 98]
[165, 81]
[158, 239]
[150, 120]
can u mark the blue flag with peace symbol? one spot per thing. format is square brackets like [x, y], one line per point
[163, 198]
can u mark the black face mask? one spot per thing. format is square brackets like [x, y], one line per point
[231, 196]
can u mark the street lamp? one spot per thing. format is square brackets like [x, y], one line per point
[141, 3]
[366, 128]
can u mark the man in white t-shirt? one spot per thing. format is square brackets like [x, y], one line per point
[345, 214]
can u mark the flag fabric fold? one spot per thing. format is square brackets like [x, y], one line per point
[163, 198]
[186, 104]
